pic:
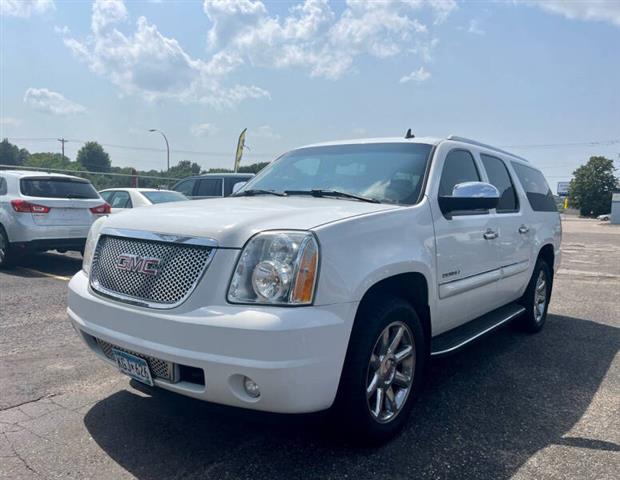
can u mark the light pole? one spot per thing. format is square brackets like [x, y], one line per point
[167, 149]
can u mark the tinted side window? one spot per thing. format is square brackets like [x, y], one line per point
[538, 192]
[209, 187]
[186, 187]
[500, 179]
[106, 195]
[459, 167]
[121, 200]
[2, 186]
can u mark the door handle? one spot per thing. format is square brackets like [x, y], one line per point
[490, 234]
[524, 229]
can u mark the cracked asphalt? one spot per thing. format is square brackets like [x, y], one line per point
[509, 406]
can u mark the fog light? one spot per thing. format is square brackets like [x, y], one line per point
[251, 388]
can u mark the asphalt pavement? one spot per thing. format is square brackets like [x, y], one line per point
[510, 406]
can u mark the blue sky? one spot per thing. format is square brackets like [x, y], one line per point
[515, 73]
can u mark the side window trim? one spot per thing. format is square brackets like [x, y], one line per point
[510, 177]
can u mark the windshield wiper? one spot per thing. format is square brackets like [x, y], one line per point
[258, 191]
[331, 193]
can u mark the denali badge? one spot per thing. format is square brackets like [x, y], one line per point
[135, 263]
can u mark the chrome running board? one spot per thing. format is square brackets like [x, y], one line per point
[458, 337]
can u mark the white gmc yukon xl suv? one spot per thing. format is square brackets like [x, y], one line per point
[327, 281]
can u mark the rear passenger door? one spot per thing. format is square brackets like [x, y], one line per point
[513, 241]
[210, 187]
[466, 261]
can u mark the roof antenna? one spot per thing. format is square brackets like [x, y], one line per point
[409, 134]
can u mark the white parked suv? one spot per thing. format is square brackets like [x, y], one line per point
[45, 211]
[327, 281]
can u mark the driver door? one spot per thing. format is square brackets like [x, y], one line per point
[467, 253]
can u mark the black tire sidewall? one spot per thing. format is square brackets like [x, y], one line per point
[528, 320]
[351, 404]
[8, 257]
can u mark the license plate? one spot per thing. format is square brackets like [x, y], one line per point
[133, 366]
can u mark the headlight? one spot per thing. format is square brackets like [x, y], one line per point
[91, 242]
[278, 267]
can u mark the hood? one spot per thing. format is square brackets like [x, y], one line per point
[233, 220]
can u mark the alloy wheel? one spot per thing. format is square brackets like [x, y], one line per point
[390, 372]
[540, 296]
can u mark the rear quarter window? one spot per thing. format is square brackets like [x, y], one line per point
[46, 187]
[538, 192]
[2, 186]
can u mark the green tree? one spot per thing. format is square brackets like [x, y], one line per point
[253, 168]
[592, 186]
[11, 154]
[94, 158]
[46, 160]
[183, 169]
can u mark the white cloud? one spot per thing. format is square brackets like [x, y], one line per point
[264, 131]
[153, 65]
[10, 122]
[419, 75]
[54, 103]
[595, 10]
[313, 37]
[140, 60]
[204, 130]
[64, 30]
[25, 8]
[474, 27]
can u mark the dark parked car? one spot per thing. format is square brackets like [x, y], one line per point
[210, 185]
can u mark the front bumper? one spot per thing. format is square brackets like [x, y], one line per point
[295, 355]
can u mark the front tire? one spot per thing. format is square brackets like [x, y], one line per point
[536, 298]
[383, 371]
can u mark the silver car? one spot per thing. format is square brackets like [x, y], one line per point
[45, 211]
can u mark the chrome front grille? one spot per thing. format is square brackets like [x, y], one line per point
[159, 368]
[180, 265]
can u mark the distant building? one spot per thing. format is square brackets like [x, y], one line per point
[615, 208]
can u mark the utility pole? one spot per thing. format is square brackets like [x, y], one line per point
[63, 141]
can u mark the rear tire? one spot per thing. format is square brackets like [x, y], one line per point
[383, 371]
[7, 255]
[536, 298]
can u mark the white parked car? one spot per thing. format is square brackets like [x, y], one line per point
[327, 281]
[604, 218]
[45, 211]
[121, 199]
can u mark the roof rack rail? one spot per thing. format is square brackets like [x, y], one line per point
[480, 144]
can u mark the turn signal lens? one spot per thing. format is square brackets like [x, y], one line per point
[303, 291]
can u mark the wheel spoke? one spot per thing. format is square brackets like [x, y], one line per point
[402, 380]
[372, 387]
[397, 338]
[385, 340]
[379, 402]
[404, 353]
[391, 399]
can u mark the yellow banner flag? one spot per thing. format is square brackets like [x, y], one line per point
[240, 146]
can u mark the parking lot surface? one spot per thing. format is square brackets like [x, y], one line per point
[510, 406]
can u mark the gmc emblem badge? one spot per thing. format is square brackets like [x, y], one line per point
[138, 264]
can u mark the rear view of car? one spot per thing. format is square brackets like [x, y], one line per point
[42, 211]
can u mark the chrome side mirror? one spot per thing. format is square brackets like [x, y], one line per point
[238, 186]
[469, 196]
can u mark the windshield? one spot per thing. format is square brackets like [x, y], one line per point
[50, 187]
[387, 172]
[164, 197]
